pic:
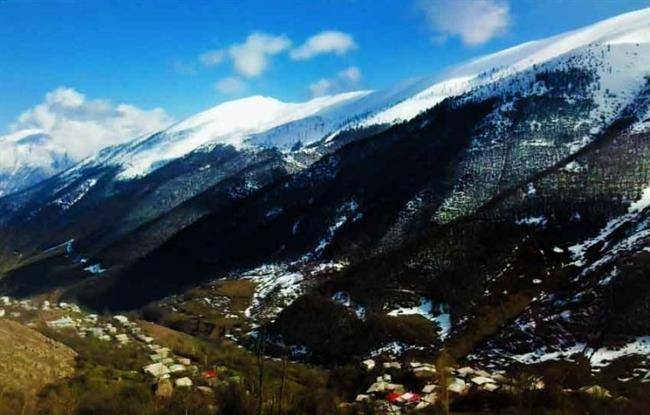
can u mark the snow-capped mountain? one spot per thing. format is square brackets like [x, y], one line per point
[240, 123]
[494, 218]
[437, 188]
[28, 157]
[616, 49]
[627, 34]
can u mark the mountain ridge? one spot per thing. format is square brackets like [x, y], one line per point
[400, 103]
[496, 200]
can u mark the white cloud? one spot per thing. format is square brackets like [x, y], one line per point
[82, 126]
[343, 81]
[231, 85]
[212, 57]
[330, 41]
[475, 21]
[251, 58]
[321, 87]
[352, 74]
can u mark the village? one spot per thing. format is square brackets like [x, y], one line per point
[396, 385]
[434, 387]
[166, 370]
[425, 386]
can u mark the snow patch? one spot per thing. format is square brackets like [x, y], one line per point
[343, 298]
[344, 212]
[70, 199]
[279, 285]
[604, 356]
[642, 203]
[67, 245]
[573, 167]
[95, 269]
[444, 321]
[532, 221]
[598, 358]
[545, 354]
[391, 349]
[425, 309]
[274, 279]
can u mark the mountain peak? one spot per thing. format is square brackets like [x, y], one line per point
[256, 113]
[20, 135]
[27, 157]
[231, 115]
[255, 120]
[629, 29]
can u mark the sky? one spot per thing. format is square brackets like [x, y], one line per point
[119, 68]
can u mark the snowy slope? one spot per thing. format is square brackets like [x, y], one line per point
[238, 123]
[27, 157]
[627, 29]
[618, 48]
[616, 52]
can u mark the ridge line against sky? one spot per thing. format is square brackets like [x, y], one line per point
[130, 68]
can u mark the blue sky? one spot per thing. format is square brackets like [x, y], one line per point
[185, 56]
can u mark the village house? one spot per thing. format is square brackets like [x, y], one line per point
[122, 338]
[183, 382]
[165, 364]
[123, 320]
[62, 323]
[156, 370]
[368, 364]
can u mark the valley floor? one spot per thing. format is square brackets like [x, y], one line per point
[59, 359]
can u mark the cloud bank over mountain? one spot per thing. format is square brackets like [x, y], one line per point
[82, 126]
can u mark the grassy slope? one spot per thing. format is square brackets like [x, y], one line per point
[29, 360]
